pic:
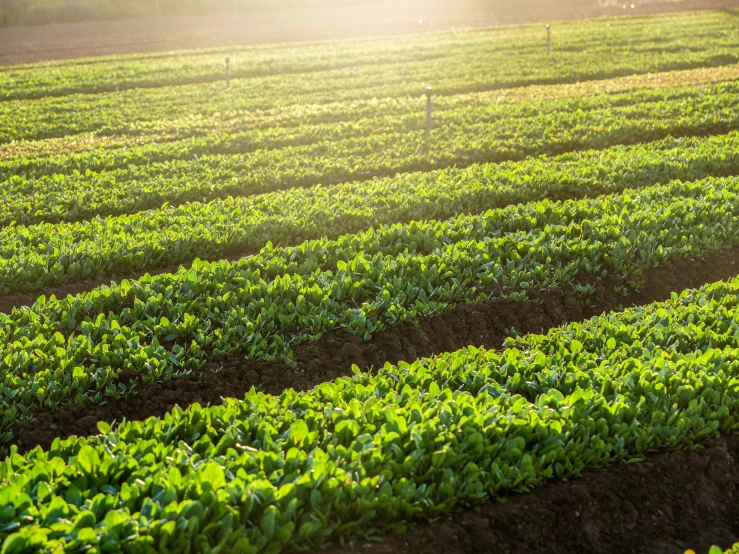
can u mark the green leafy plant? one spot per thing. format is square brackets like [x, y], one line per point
[36, 256]
[70, 351]
[372, 452]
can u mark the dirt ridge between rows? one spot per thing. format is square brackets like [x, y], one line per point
[663, 505]
[331, 356]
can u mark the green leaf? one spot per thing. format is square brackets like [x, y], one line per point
[88, 459]
[16, 543]
[575, 346]
[298, 432]
[213, 474]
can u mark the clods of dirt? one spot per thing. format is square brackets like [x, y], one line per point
[664, 505]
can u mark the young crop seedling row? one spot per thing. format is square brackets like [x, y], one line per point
[375, 452]
[38, 256]
[208, 168]
[71, 351]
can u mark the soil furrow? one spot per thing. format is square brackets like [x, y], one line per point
[331, 356]
[663, 505]
[13, 300]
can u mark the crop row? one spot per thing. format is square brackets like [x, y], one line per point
[36, 256]
[203, 66]
[72, 350]
[613, 28]
[306, 125]
[377, 147]
[111, 112]
[374, 452]
[709, 34]
[25, 154]
[177, 68]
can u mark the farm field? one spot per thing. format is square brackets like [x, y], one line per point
[249, 22]
[293, 313]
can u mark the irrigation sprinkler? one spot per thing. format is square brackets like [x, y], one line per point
[549, 41]
[228, 72]
[429, 90]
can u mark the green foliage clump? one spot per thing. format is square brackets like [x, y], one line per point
[374, 452]
[71, 351]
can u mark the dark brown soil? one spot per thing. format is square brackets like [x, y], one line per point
[332, 356]
[21, 300]
[664, 505]
[301, 22]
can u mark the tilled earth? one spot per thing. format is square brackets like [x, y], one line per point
[338, 19]
[664, 505]
[333, 354]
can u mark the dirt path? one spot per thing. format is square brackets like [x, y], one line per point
[383, 17]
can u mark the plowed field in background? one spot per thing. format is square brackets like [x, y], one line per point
[97, 38]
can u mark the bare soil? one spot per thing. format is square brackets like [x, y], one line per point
[9, 302]
[664, 505]
[333, 355]
[20, 45]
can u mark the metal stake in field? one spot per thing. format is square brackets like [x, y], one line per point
[549, 41]
[429, 90]
[228, 72]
